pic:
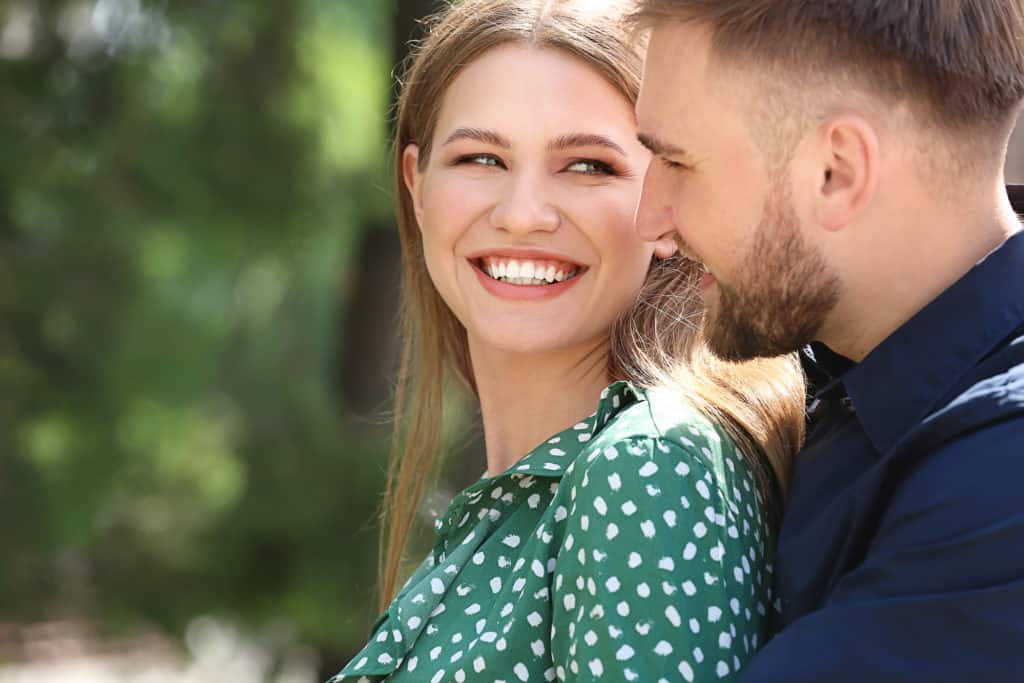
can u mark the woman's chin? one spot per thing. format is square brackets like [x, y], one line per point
[533, 339]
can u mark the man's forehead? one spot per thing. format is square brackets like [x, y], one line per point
[677, 44]
[668, 84]
[682, 80]
[673, 74]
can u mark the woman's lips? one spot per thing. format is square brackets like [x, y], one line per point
[526, 279]
[528, 271]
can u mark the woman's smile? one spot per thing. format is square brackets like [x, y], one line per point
[519, 275]
[527, 272]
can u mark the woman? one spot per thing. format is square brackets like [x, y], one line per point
[634, 542]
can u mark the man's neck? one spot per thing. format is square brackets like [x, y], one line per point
[937, 249]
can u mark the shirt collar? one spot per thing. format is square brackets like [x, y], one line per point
[905, 377]
[396, 632]
[551, 458]
[822, 368]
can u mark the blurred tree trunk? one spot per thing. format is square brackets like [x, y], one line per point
[371, 352]
[371, 345]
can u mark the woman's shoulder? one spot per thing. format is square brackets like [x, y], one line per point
[658, 530]
[675, 428]
[663, 450]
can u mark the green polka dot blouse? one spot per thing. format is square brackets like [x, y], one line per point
[629, 547]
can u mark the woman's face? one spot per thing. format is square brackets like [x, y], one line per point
[526, 203]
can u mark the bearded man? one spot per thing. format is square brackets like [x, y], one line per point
[837, 167]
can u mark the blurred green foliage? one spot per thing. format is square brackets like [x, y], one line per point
[183, 190]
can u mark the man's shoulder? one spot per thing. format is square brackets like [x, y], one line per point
[968, 457]
[975, 465]
[986, 398]
[999, 376]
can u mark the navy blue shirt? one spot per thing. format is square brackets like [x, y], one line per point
[901, 556]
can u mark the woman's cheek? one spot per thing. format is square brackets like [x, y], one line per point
[617, 221]
[446, 206]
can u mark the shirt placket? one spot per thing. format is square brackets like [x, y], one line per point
[455, 518]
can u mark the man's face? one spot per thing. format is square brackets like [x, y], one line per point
[767, 290]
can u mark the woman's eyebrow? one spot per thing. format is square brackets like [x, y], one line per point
[562, 142]
[572, 140]
[480, 135]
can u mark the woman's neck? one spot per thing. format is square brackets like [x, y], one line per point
[525, 398]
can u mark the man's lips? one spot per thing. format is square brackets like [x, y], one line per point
[688, 253]
[706, 280]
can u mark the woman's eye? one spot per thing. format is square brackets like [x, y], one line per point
[480, 160]
[590, 167]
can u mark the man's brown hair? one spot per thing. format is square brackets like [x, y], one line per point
[958, 63]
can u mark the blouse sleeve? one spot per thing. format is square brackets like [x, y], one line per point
[661, 569]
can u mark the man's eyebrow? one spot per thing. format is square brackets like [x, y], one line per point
[571, 140]
[480, 135]
[660, 147]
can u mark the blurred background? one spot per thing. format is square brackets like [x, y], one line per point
[198, 278]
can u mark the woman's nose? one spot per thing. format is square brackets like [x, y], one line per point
[525, 205]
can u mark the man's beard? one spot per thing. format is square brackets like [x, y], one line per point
[784, 294]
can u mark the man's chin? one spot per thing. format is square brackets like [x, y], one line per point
[733, 352]
[726, 342]
[738, 342]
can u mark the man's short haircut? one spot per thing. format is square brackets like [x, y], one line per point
[959, 64]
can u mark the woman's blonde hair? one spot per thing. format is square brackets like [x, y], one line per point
[657, 342]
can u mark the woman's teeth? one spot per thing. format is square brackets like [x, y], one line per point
[524, 272]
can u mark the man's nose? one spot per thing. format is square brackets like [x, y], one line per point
[652, 219]
[525, 205]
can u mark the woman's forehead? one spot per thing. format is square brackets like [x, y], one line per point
[523, 89]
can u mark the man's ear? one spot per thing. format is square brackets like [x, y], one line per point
[665, 248]
[848, 169]
[413, 178]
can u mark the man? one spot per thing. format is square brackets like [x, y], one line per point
[837, 166]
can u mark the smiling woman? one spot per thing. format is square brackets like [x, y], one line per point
[623, 527]
[539, 169]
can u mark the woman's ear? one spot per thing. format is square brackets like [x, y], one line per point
[413, 178]
[666, 247]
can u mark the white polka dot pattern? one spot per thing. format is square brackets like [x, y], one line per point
[637, 554]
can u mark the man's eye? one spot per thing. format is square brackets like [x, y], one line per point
[673, 165]
[590, 167]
